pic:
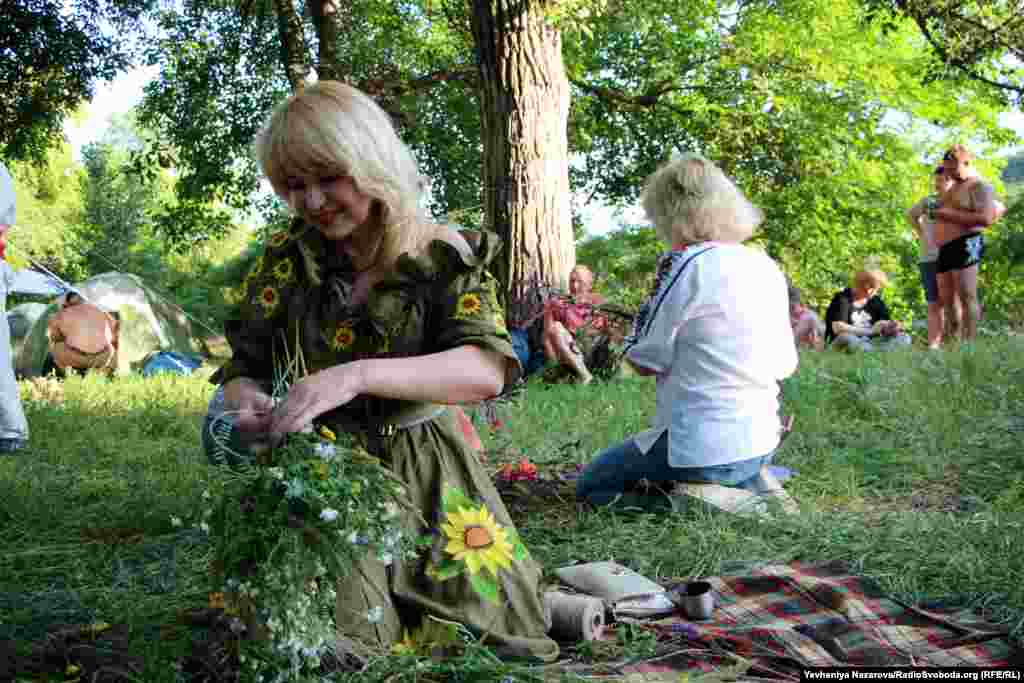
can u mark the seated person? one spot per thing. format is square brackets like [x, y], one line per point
[805, 323]
[82, 336]
[563, 317]
[858, 319]
[716, 333]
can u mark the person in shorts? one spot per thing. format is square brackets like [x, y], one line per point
[921, 218]
[965, 210]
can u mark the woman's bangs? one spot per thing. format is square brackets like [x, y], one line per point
[302, 148]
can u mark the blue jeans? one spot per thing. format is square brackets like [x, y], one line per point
[615, 472]
[531, 360]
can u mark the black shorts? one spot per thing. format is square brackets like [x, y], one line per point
[963, 252]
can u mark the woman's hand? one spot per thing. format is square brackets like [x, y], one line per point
[312, 396]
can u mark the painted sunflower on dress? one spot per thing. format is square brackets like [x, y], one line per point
[284, 270]
[344, 337]
[468, 305]
[269, 299]
[476, 539]
[279, 239]
[473, 540]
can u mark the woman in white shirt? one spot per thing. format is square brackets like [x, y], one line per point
[715, 332]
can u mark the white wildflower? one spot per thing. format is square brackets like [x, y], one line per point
[176, 521]
[325, 451]
[375, 615]
[328, 515]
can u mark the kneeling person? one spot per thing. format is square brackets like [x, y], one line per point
[716, 332]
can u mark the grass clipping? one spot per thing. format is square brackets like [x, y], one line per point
[285, 530]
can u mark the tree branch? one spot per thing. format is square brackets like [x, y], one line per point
[387, 88]
[327, 20]
[962, 63]
[293, 43]
[651, 98]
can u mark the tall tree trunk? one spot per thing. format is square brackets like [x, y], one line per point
[524, 102]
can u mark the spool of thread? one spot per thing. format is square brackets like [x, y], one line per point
[574, 617]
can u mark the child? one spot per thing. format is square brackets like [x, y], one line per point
[805, 322]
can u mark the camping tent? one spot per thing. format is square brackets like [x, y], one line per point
[148, 323]
[21, 318]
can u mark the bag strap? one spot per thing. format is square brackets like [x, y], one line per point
[657, 305]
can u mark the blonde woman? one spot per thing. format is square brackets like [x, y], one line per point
[715, 332]
[396, 317]
[858, 320]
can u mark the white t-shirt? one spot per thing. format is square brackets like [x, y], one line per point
[720, 342]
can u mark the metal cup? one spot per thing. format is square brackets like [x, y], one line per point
[698, 600]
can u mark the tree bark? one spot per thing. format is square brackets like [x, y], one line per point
[524, 106]
[327, 20]
[294, 56]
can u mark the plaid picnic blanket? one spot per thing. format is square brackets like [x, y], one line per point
[784, 617]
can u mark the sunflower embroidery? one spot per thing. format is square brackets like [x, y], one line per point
[269, 298]
[283, 271]
[468, 305]
[344, 337]
[475, 539]
[279, 239]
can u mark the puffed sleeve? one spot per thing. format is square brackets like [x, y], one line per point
[467, 309]
[262, 310]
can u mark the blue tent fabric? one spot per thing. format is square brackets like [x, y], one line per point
[170, 361]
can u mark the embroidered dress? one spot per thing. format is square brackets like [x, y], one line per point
[300, 293]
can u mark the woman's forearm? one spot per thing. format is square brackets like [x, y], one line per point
[461, 375]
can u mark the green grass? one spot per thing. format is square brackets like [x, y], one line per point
[908, 466]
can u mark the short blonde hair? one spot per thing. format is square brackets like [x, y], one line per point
[583, 270]
[331, 128]
[870, 278]
[691, 200]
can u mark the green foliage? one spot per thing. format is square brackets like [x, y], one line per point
[623, 263]
[970, 42]
[116, 208]
[52, 58]
[49, 204]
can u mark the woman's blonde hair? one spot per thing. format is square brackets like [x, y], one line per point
[331, 128]
[872, 278]
[691, 200]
